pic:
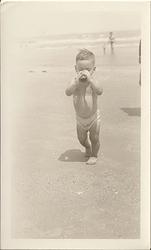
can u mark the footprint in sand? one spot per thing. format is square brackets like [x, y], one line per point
[32, 71]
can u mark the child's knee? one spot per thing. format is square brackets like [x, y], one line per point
[94, 138]
[81, 138]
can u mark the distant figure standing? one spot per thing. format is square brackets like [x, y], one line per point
[140, 61]
[104, 48]
[111, 41]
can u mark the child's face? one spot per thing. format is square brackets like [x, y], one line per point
[85, 65]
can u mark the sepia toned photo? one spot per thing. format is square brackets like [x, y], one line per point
[73, 94]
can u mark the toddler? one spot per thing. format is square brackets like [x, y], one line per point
[85, 90]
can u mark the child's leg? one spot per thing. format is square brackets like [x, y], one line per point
[83, 139]
[94, 138]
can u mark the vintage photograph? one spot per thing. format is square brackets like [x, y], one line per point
[72, 94]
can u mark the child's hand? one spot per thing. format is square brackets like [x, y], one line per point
[77, 80]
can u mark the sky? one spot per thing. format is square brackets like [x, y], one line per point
[47, 18]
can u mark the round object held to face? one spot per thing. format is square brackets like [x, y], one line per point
[83, 77]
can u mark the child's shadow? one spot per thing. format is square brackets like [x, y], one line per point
[72, 155]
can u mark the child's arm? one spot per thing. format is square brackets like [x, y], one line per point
[72, 87]
[96, 87]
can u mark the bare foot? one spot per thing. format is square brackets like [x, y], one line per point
[91, 161]
[88, 152]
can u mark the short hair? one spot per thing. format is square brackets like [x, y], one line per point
[85, 54]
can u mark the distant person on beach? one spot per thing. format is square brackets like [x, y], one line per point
[140, 61]
[104, 48]
[85, 90]
[111, 41]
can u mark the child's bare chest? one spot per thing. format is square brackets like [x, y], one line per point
[85, 93]
[85, 97]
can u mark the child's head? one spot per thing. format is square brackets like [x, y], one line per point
[85, 60]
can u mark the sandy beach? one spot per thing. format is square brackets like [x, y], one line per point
[54, 193]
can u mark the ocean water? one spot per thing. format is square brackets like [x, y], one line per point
[122, 39]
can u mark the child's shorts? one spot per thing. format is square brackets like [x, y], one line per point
[87, 123]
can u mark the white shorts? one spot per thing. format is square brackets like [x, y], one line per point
[87, 123]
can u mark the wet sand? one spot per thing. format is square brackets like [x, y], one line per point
[54, 193]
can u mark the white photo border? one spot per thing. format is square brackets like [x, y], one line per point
[144, 242]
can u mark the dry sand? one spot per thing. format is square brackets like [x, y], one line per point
[54, 193]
